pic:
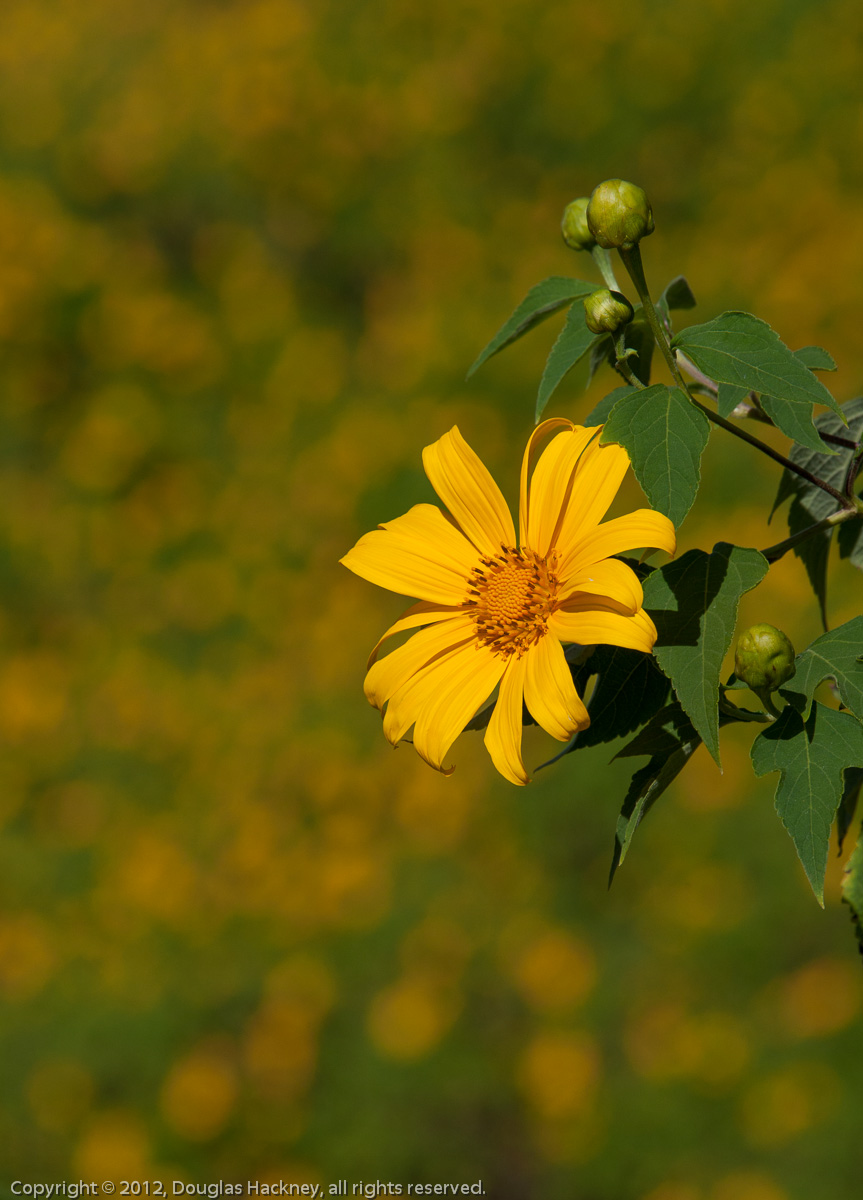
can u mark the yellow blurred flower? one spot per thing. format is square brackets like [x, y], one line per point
[493, 613]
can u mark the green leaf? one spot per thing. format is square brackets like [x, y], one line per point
[850, 542]
[540, 302]
[646, 786]
[629, 689]
[836, 655]
[638, 336]
[852, 783]
[815, 358]
[811, 504]
[601, 353]
[662, 734]
[810, 757]
[664, 435]
[728, 397]
[832, 468]
[740, 349]
[852, 890]
[573, 342]
[599, 413]
[677, 295]
[693, 603]
[813, 552]
[795, 421]
[670, 740]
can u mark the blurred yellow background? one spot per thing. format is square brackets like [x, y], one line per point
[248, 249]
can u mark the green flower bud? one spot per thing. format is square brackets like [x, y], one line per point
[619, 214]
[764, 658]
[606, 311]
[574, 226]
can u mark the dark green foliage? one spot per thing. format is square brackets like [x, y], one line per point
[693, 602]
[811, 756]
[664, 435]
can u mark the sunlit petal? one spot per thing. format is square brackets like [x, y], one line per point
[423, 613]
[388, 674]
[531, 451]
[595, 626]
[420, 554]
[551, 487]
[644, 527]
[610, 578]
[503, 735]
[450, 701]
[468, 491]
[549, 692]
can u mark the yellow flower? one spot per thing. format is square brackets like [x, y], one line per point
[496, 614]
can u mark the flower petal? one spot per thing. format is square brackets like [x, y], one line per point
[551, 487]
[423, 613]
[549, 692]
[530, 452]
[611, 578]
[596, 626]
[389, 674]
[598, 476]
[453, 693]
[503, 735]
[420, 554]
[467, 489]
[644, 527]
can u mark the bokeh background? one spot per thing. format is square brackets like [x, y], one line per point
[248, 249]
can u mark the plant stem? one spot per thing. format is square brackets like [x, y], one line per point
[603, 262]
[758, 414]
[632, 261]
[853, 468]
[774, 553]
[622, 361]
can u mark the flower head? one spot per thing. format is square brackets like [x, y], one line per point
[495, 611]
[619, 214]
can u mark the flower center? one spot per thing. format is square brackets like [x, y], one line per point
[513, 595]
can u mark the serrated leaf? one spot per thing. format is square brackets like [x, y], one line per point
[815, 358]
[677, 295]
[646, 786]
[540, 302]
[851, 784]
[850, 541]
[671, 741]
[810, 503]
[728, 396]
[572, 343]
[693, 603]
[740, 349]
[795, 421]
[810, 757]
[664, 435]
[629, 689]
[831, 468]
[662, 734]
[813, 552]
[852, 890]
[599, 413]
[836, 655]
